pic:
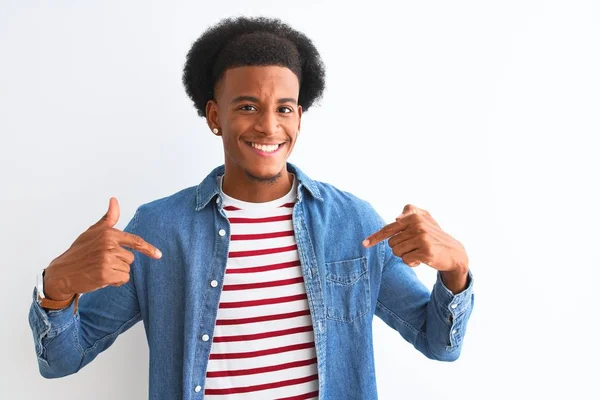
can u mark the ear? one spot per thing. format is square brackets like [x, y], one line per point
[212, 114]
[299, 119]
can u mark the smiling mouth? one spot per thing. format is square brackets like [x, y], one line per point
[265, 148]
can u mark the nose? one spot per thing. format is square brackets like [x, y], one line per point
[267, 123]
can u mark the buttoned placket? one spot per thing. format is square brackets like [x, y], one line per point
[214, 284]
[312, 285]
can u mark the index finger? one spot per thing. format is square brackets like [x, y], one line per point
[386, 232]
[136, 242]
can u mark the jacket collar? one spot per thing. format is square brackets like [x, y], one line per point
[208, 188]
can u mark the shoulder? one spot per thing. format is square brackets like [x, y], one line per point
[166, 210]
[333, 194]
[341, 204]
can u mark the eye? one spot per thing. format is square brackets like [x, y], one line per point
[246, 107]
[289, 110]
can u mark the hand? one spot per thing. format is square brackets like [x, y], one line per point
[96, 259]
[417, 238]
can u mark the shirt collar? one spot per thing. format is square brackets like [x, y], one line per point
[208, 188]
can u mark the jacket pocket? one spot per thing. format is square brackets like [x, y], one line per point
[347, 289]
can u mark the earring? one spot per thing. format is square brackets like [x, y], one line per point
[215, 130]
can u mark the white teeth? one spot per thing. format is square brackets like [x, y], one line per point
[265, 148]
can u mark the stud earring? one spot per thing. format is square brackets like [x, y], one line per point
[215, 130]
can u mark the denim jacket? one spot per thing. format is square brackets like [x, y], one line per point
[346, 285]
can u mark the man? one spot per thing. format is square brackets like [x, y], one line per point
[266, 281]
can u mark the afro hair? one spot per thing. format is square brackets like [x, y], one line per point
[245, 41]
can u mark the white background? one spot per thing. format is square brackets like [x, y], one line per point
[483, 113]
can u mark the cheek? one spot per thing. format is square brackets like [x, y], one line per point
[232, 123]
[291, 126]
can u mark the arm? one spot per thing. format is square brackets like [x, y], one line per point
[97, 266]
[65, 343]
[435, 323]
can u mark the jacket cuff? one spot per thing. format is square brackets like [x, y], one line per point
[50, 323]
[458, 303]
[454, 308]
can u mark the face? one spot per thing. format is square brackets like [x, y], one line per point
[257, 114]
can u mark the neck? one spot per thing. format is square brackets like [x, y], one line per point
[239, 184]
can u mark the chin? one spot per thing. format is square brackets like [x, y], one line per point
[266, 171]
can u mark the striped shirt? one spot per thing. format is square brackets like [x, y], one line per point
[263, 345]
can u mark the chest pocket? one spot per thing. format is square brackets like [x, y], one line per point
[347, 289]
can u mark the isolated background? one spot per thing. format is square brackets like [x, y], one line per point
[483, 113]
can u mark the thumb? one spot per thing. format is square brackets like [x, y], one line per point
[111, 217]
[408, 209]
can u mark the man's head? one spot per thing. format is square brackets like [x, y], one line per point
[252, 78]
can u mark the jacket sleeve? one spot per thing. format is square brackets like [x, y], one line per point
[66, 342]
[434, 322]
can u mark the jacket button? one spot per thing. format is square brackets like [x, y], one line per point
[197, 388]
[214, 283]
[221, 232]
[205, 338]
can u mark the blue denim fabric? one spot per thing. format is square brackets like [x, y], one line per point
[346, 285]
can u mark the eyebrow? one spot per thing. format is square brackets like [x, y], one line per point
[255, 100]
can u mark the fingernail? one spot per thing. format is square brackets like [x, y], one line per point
[366, 242]
[158, 253]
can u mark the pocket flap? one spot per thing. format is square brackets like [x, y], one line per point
[346, 271]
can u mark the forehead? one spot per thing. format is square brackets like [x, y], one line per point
[263, 81]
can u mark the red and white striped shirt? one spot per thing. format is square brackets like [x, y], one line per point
[263, 345]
